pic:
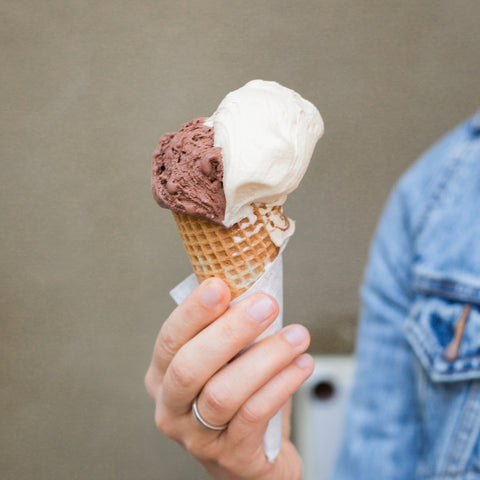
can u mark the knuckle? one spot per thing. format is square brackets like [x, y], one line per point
[216, 399]
[190, 309]
[193, 446]
[167, 344]
[149, 382]
[203, 450]
[231, 332]
[180, 375]
[165, 423]
[251, 413]
[161, 419]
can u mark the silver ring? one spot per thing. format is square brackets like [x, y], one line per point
[203, 423]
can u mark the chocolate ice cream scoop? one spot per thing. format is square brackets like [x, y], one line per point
[187, 172]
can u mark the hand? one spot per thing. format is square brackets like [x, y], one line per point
[195, 356]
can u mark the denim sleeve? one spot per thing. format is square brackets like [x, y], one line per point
[381, 436]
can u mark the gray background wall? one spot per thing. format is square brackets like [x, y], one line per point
[87, 257]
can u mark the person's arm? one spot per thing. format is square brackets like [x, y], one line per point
[382, 428]
[192, 359]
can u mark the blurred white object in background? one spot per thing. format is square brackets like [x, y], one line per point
[318, 411]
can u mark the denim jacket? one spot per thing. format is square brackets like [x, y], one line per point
[415, 407]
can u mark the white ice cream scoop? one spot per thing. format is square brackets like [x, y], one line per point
[267, 134]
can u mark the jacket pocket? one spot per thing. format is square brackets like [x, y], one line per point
[445, 335]
[443, 327]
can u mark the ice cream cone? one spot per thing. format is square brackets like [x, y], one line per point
[238, 255]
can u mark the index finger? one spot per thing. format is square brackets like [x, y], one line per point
[204, 305]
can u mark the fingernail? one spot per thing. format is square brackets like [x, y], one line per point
[304, 361]
[211, 296]
[261, 309]
[295, 335]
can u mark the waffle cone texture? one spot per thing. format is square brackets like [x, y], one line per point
[238, 255]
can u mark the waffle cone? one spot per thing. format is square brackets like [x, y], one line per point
[238, 255]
